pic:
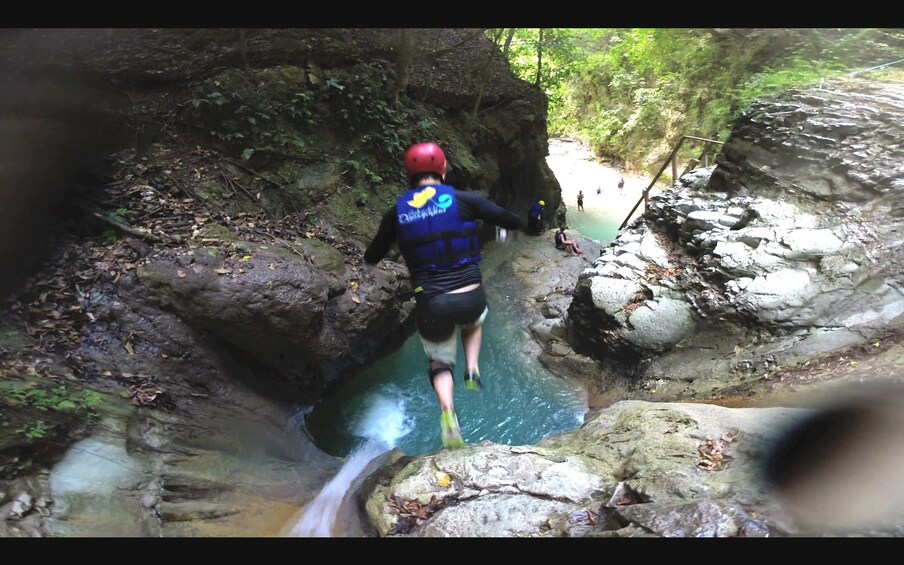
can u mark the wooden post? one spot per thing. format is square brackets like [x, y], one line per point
[673, 159]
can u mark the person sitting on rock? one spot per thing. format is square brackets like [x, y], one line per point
[564, 243]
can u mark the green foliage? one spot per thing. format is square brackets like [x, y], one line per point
[797, 73]
[299, 107]
[385, 126]
[34, 431]
[108, 238]
[121, 215]
[562, 58]
[371, 175]
[58, 399]
[255, 116]
[625, 90]
[367, 106]
[212, 99]
[270, 113]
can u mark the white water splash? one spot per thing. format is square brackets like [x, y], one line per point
[383, 423]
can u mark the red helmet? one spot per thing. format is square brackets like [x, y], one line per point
[425, 158]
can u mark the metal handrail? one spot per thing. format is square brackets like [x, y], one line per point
[673, 159]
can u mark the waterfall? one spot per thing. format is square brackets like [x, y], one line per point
[384, 421]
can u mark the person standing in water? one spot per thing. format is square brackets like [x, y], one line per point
[435, 226]
[581, 200]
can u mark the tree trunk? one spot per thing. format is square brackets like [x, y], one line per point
[508, 42]
[403, 63]
[483, 77]
[539, 57]
[243, 49]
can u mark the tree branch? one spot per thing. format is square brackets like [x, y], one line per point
[138, 232]
[440, 52]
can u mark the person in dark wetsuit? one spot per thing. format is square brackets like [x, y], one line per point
[535, 217]
[435, 227]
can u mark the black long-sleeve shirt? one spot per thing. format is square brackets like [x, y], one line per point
[471, 206]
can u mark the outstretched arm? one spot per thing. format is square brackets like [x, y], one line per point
[384, 238]
[486, 209]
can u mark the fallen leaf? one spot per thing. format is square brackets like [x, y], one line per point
[443, 480]
[180, 273]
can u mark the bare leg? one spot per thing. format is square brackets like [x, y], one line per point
[470, 342]
[444, 386]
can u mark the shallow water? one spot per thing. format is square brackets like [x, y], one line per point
[577, 170]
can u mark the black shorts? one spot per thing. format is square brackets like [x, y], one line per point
[437, 316]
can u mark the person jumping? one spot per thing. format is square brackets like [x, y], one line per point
[435, 227]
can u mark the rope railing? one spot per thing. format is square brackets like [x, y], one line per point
[877, 67]
[882, 66]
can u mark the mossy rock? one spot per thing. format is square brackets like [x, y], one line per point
[13, 338]
[287, 75]
[322, 255]
[209, 190]
[288, 45]
[217, 232]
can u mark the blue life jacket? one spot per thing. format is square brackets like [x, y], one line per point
[535, 211]
[432, 236]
